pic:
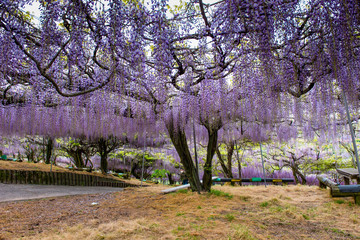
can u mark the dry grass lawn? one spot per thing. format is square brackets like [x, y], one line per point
[28, 166]
[251, 212]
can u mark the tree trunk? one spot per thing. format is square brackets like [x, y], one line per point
[222, 163]
[178, 138]
[134, 166]
[171, 181]
[31, 156]
[102, 148]
[297, 174]
[77, 156]
[302, 176]
[230, 151]
[239, 169]
[49, 150]
[210, 151]
[296, 170]
[239, 161]
[104, 163]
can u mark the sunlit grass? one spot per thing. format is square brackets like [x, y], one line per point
[220, 194]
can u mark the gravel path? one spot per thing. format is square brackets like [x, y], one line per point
[16, 192]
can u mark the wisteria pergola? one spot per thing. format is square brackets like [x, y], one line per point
[113, 68]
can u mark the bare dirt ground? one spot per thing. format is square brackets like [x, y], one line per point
[252, 212]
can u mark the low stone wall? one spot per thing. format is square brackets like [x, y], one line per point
[58, 178]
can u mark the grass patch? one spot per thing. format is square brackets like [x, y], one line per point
[212, 217]
[354, 218]
[180, 214]
[336, 230]
[273, 202]
[100, 237]
[339, 201]
[241, 232]
[229, 217]
[220, 193]
[276, 209]
[191, 236]
[197, 227]
[245, 198]
[341, 232]
[182, 191]
[178, 230]
[154, 226]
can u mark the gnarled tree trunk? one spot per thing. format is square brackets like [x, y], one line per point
[297, 174]
[210, 151]
[102, 148]
[105, 146]
[178, 138]
[230, 152]
[227, 167]
[49, 150]
[77, 158]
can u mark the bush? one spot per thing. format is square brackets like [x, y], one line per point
[160, 173]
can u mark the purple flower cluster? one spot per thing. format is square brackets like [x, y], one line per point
[251, 70]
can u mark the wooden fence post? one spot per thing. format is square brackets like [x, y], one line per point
[57, 178]
[357, 199]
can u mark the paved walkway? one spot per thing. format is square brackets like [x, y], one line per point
[16, 192]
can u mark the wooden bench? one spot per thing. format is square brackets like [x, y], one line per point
[5, 158]
[88, 169]
[348, 174]
[256, 179]
[337, 190]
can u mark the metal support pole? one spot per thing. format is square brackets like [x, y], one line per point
[351, 132]
[262, 160]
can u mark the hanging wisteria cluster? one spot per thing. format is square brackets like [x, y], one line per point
[234, 68]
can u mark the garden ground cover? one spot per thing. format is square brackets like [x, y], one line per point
[251, 212]
[28, 166]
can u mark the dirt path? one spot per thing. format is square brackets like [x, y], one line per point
[15, 192]
[26, 218]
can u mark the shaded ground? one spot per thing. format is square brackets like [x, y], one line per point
[254, 212]
[12, 192]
